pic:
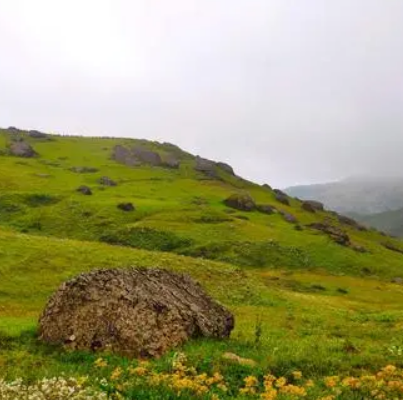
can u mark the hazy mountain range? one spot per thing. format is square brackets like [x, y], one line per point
[376, 201]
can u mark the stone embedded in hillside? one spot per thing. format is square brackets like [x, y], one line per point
[13, 129]
[85, 190]
[335, 233]
[397, 281]
[281, 197]
[171, 161]
[266, 209]
[241, 201]
[289, 217]
[84, 170]
[125, 156]
[135, 313]
[37, 135]
[22, 149]
[350, 222]
[126, 207]
[146, 156]
[312, 206]
[392, 247]
[107, 181]
[226, 167]
[207, 167]
[266, 186]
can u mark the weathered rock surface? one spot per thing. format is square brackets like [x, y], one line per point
[136, 312]
[125, 156]
[22, 149]
[240, 201]
[145, 156]
[85, 190]
[312, 206]
[350, 222]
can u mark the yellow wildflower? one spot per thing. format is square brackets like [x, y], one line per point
[116, 373]
[297, 375]
[280, 382]
[100, 363]
[251, 381]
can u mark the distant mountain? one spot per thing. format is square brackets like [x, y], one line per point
[389, 221]
[357, 195]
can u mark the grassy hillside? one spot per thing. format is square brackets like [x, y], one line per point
[179, 210]
[302, 302]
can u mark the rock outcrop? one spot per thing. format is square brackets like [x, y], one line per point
[105, 181]
[85, 190]
[281, 197]
[126, 207]
[241, 202]
[136, 313]
[22, 149]
[312, 206]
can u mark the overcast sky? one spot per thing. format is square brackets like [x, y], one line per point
[287, 91]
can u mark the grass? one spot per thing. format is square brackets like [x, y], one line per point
[301, 301]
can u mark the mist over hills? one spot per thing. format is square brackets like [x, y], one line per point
[374, 200]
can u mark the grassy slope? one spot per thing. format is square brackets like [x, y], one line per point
[315, 305]
[181, 202]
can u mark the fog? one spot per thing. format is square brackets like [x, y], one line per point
[286, 91]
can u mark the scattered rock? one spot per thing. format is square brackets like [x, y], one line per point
[266, 209]
[37, 135]
[298, 228]
[43, 175]
[358, 248]
[239, 360]
[225, 167]
[107, 181]
[85, 190]
[397, 280]
[336, 234]
[392, 247]
[84, 170]
[350, 222]
[22, 149]
[13, 129]
[312, 206]
[266, 186]
[281, 197]
[289, 217]
[135, 313]
[240, 201]
[126, 207]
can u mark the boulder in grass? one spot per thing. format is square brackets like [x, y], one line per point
[22, 149]
[128, 207]
[281, 197]
[266, 209]
[85, 190]
[105, 181]
[241, 202]
[312, 206]
[134, 313]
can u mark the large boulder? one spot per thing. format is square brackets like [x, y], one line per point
[85, 190]
[350, 222]
[206, 167]
[226, 167]
[124, 155]
[22, 149]
[241, 201]
[281, 197]
[136, 313]
[146, 156]
[266, 209]
[312, 206]
[37, 135]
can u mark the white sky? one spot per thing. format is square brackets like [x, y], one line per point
[287, 91]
